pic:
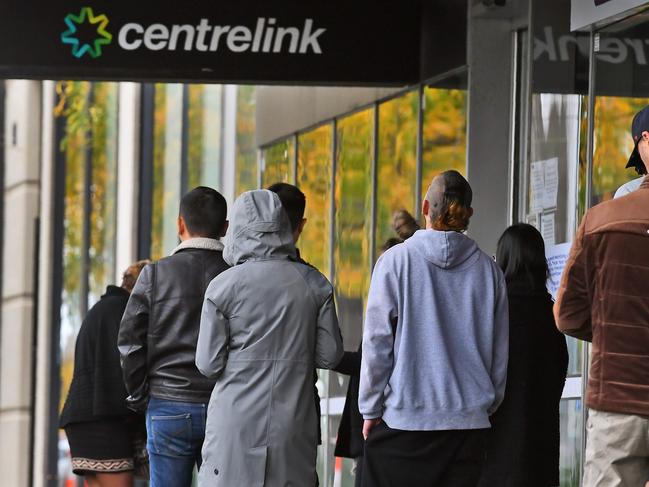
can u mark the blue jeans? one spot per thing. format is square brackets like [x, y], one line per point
[175, 434]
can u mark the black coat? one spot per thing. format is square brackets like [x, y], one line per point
[350, 443]
[523, 450]
[159, 331]
[97, 390]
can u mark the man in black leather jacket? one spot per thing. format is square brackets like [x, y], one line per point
[158, 337]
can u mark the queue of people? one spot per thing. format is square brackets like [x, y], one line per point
[457, 381]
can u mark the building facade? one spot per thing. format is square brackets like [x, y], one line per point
[530, 100]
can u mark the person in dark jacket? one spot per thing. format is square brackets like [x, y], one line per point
[158, 337]
[100, 429]
[349, 442]
[523, 449]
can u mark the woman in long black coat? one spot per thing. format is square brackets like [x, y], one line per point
[523, 449]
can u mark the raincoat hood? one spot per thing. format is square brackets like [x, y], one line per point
[259, 229]
[444, 249]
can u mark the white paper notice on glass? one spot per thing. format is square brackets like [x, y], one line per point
[537, 175]
[550, 183]
[547, 228]
[556, 255]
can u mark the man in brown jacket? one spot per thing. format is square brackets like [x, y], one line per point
[604, 299]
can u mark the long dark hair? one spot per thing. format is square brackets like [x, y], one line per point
[521, 256]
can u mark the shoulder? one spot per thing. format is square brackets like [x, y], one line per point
[316, 281]
[110, 303]
[606, 213]
[490, 266]
[396, 254]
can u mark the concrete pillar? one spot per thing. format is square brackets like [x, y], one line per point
[128, 176]
[21, 210]
[44, 361]
[490, 111]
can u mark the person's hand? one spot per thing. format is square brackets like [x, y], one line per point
[368, 424]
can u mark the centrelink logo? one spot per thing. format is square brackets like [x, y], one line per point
[97, 23]
[265, 36]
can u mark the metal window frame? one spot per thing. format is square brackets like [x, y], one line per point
[419, 175]
[296, 148]
[145, 207]
[184, 141]
[87, 211]
[2, 188]
[373, 190]
[60, 171]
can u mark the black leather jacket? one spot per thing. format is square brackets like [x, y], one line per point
[159, 330]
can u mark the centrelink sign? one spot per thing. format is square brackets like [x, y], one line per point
[265, 37]
[213, 40]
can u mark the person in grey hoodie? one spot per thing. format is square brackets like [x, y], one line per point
[435, 350]
[266, 324]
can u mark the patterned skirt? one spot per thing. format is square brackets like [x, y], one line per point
[104, 446]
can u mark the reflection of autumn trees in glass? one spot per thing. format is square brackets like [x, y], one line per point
[353, 204]
[613, 144]
[314, 179]
[278, 163]
[89, 142]
[103, 192]
[246, 164]
[397, 162]
[167, 136]
[204, 133]
[444, 133]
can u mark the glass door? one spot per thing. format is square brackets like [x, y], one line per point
[553, 140]
[621, 87]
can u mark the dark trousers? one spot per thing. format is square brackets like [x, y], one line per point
[397, 458]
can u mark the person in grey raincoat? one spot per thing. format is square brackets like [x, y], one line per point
[266, 323]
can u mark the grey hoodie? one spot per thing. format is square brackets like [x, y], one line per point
[266, 323]
[435, 343]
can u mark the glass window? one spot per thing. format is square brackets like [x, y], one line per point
[554, 171]
[353, 192]
[87, 145]
[613, 143]
[314, 179]
[103, 189]
[73, 100]
[622, 89]
[278, 162]
[444, 132]
[396, 163]
[246, 163]
[571, 431]
[558, 135]
[314, 171]
[204, 135]
[167, 172]
[557, 146]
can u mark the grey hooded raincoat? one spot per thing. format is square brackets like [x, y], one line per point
[266, 323]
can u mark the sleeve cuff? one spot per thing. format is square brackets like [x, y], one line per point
[373, 415]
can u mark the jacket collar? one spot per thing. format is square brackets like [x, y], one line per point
[645, 183]
[200, 243]
[116, 291]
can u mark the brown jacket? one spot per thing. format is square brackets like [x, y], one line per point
[604, 298]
